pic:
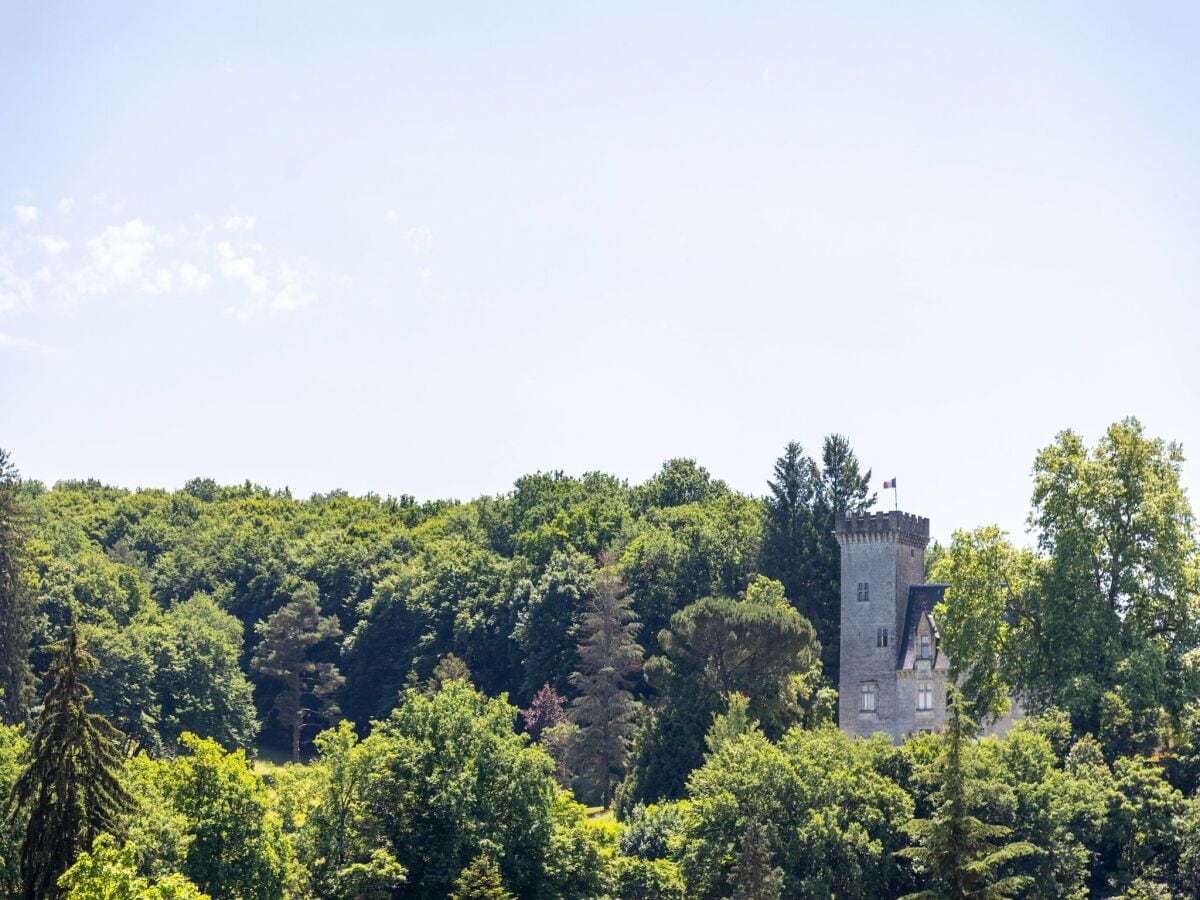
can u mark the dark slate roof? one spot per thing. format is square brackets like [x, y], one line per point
[922, 598]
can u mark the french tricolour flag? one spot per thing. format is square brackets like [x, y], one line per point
[889, 484]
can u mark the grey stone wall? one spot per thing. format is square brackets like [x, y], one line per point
[887, 552]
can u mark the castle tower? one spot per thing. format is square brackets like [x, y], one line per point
[883, 556]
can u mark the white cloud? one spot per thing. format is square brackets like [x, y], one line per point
[419, 239]
[26, 215]
[65, 205]
[241, 223]
[13, 342]
[134, 258]
[121, 251]
[425, 277]
[192, 280]
[241, 269]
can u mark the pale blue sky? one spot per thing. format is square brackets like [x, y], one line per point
[428, 248]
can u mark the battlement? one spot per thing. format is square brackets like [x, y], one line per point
[893, 525]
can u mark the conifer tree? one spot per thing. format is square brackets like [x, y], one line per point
[72, 788]
[754, 878]
[309, 686]
[16, 607]
[788, 550]
[960, 854]
[481, 881]
[609, 659]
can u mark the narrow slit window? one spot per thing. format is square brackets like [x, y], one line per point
[881, 637]
[926, 646]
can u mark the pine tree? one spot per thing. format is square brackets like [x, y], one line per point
[754, 878]
[72, 787]
[16, 607]
[609, 658]
[481, 881]
[309, 686]
[961, 854]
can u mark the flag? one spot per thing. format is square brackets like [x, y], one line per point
[889, 484]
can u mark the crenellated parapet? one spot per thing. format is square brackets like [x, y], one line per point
[900, 527]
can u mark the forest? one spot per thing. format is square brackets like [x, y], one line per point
[586, 688]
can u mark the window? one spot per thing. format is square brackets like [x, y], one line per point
[868, 696]
[864, 592]
[926, 646]
[925, 696]
[881, 637]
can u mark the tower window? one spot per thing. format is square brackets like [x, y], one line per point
[864, 592]
[925, 696]
[926, 646]
[869, 689]
[881, 637]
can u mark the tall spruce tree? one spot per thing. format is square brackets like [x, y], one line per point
[958, 855]
[609, 659]
[72, 788]
[309, 685]
[16, 602]
[788, 549]
[799, 548]
[754, 878]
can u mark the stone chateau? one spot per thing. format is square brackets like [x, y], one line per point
[893, 669]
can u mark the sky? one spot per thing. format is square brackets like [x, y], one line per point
[427, 248]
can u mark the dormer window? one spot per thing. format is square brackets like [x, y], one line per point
[926, 646]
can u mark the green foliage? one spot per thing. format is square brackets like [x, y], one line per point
[717, 647]
[799, 548]
[288, 638]
[481, 881]
[989, 584]
[833, 822]
[609, 660]
[956, 854]
[235, 845]
[109, 872]
[71, 789]
[754, 878]
[649, 879]
[13, 750]
[450, 779]
[16, 597]
[201, 686]
[1118, 609]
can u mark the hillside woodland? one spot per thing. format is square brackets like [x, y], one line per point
[586, 688]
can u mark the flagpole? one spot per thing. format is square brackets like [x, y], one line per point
[896, 497]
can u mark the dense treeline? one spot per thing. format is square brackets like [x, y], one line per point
[459, 677]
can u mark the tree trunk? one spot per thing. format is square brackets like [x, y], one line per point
[296, 740]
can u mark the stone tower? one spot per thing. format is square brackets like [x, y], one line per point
[883, 557]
